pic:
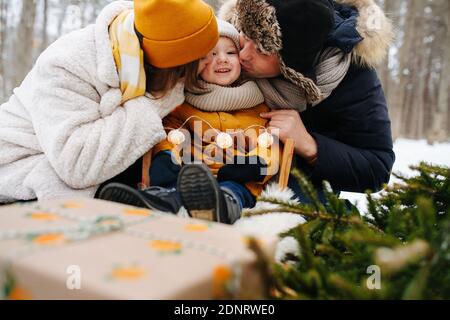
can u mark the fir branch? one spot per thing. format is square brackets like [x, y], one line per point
[310, 215]
[416, 288]
[305, 246]
[308, 190]
[337, 246]
[264, 266]
[373, 207]
[347, 289]
[393, 260]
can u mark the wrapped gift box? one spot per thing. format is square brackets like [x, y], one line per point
[93, 249]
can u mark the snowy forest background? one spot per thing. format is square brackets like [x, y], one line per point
[416, 76]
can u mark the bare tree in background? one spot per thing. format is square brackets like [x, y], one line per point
[3, 28]
[441, 128]
[215, 3]
[24, 41]
[44, 34]
[63, 9]
[416, 79]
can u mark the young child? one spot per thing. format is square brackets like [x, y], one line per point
[206, 129]
[227, 104]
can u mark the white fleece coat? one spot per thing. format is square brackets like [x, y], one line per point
[64, 130]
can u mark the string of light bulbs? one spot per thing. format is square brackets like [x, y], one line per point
[224, 140]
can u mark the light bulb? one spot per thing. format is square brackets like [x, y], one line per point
[224, 140]
[265, 140]
[176, 137]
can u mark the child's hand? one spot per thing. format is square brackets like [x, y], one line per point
[243, 169]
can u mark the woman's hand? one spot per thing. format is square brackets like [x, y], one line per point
[288, 124]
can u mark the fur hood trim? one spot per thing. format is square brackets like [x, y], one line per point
[376, 29]
[372, 25]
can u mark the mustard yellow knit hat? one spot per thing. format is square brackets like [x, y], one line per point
[175, 32]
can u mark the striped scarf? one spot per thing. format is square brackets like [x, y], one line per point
[128, 56]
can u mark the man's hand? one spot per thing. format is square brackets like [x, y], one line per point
[289, 125]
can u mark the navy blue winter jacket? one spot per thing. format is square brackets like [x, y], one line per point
[352, 127]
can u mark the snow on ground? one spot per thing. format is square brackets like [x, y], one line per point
[408, 152]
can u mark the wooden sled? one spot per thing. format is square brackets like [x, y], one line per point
[285, 165]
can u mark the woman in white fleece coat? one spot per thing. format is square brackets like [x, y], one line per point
[69, 126]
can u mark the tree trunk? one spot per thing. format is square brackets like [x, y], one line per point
[441, 124]
[215, 4]
[24, 41]
[62, 16]
[405, 79]
[3, 27]
[44, 37]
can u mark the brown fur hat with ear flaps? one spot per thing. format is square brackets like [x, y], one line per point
[259, 20]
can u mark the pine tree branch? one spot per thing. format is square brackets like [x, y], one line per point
[310, 215]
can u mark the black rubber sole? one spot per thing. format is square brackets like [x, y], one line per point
[200, 192]
[122, 193]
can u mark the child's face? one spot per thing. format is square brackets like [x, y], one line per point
[224, 67]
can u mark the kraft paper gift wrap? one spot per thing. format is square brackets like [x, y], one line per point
[93, 249]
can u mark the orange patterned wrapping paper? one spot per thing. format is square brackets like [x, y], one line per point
[92, 249]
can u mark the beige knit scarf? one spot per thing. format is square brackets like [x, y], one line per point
[215, 98]
[331, 69]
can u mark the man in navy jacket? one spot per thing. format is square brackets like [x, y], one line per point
[346, 138]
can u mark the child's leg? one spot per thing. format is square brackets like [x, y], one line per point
[161, 196]
[204, 198]
[163, 171]
[242, 194]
